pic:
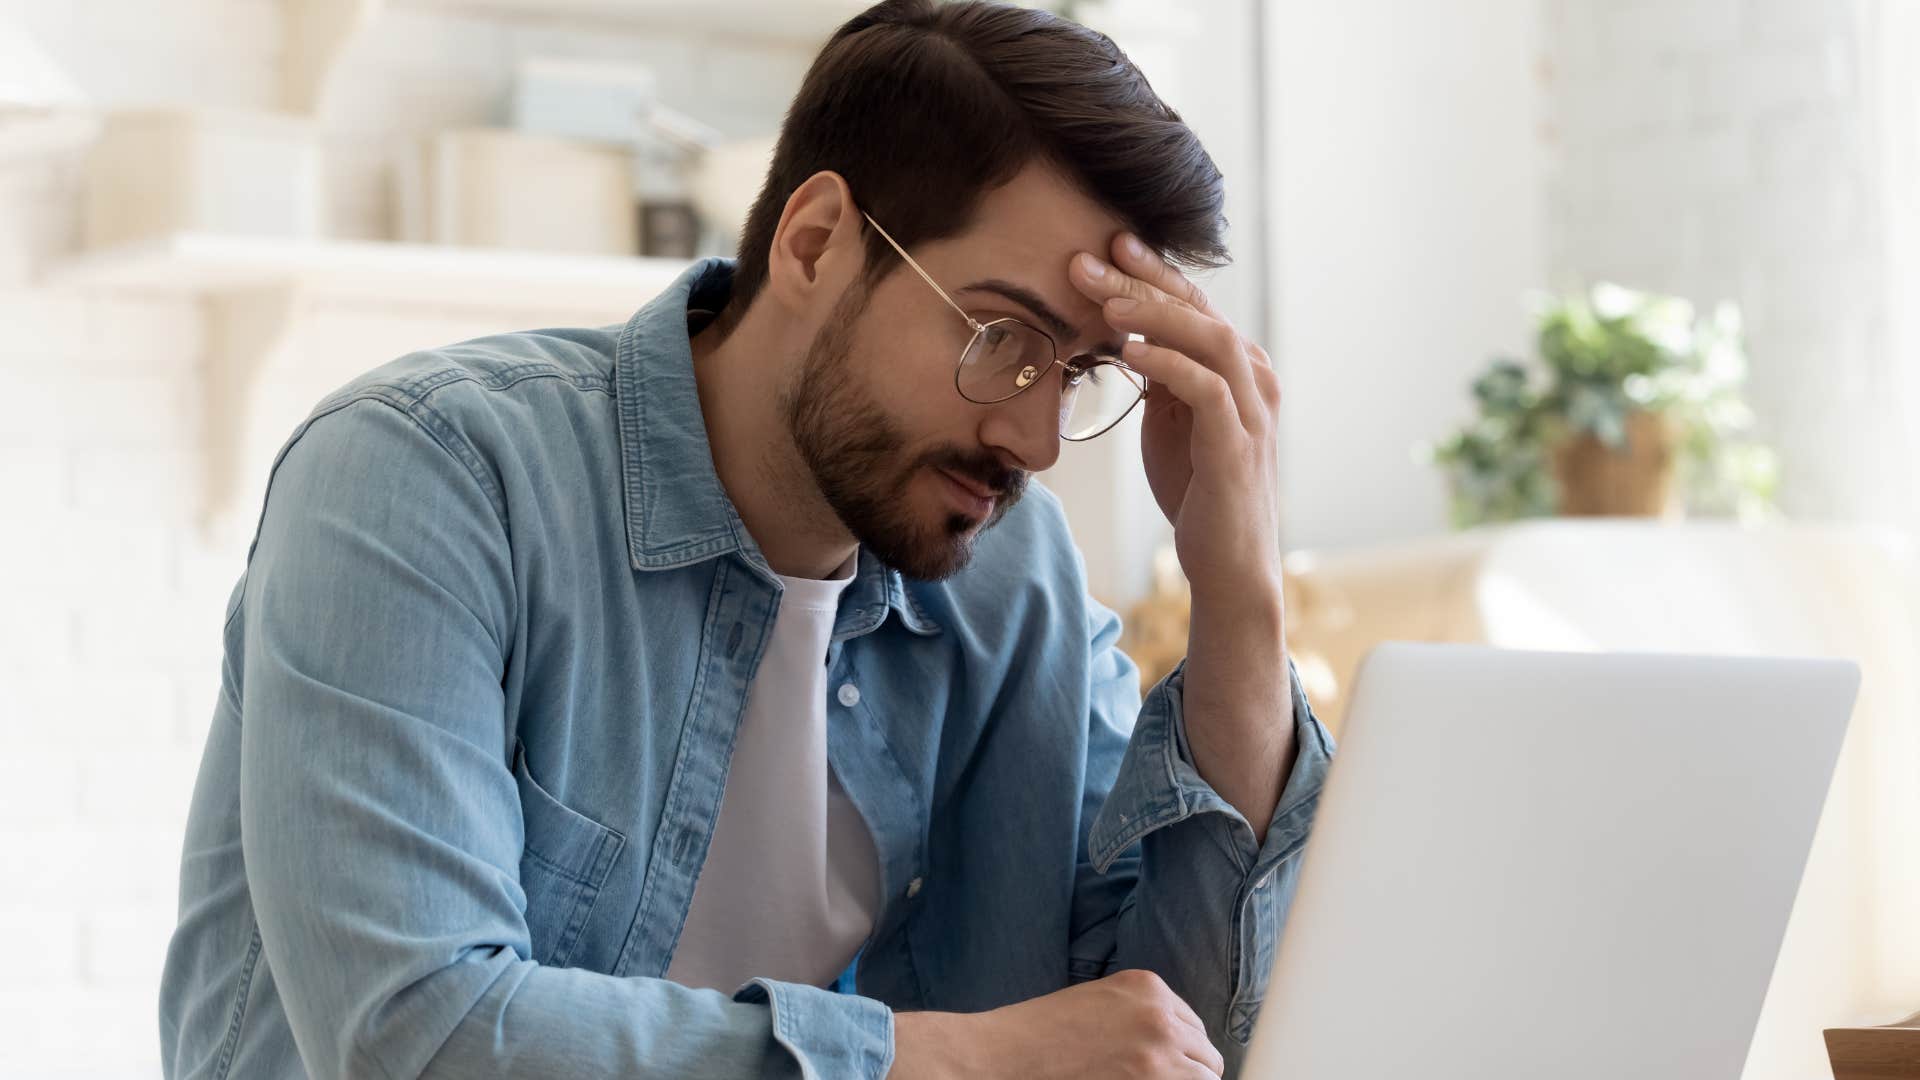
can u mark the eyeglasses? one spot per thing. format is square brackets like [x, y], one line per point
[1006, 356]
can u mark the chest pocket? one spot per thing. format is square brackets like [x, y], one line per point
[563, 866]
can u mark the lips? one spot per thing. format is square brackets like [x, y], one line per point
[968, 496]
[972, 486]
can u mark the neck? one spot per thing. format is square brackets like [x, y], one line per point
[739, 379]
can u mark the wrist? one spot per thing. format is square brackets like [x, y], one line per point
[933, 1046]
[1254, 614]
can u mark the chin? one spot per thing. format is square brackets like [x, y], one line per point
[916, 528]
[935, 546]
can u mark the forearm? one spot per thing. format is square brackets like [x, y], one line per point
[544, 1021]
[541, 1021]
[1239, 702]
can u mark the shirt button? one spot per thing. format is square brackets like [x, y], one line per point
[849, 695]
[913, 888]
[1266, 879]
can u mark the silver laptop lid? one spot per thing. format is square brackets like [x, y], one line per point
[1550, 864]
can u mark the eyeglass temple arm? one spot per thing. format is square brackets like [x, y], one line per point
[924, 276]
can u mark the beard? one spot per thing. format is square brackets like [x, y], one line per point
[858, 459]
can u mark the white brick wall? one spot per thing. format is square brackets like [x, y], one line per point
[110, 626]
[1722, 149]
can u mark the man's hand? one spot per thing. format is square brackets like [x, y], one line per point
[1128, 1024]
[1209, 439]
[1210, 445]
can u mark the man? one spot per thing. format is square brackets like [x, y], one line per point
[710, 696]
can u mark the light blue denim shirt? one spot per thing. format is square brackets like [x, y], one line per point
[482, 677]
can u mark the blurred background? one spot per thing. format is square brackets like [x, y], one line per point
[1597, 322]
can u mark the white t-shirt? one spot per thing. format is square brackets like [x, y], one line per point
[791, 885]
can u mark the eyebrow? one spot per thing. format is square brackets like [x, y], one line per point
[1061, 329]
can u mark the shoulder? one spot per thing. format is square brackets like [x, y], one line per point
[460, 377]
[478, 402]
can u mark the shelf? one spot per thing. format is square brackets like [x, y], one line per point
[321, 32]
[199, 263]
[260, 372]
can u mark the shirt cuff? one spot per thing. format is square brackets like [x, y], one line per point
[829, 1035]
[1158, 785]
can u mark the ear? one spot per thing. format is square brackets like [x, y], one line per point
[818, 250]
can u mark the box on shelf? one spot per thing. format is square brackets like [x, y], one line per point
[158, 171]
[583, 99]
[616, 104]
[725, 181]
[491, 187]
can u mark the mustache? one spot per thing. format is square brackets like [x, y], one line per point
[989, 473]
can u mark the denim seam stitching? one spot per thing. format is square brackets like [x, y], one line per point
[676, 794]
[504, 378]
[853, 673]
[243, 988]
[555, 868]
[1237, 956]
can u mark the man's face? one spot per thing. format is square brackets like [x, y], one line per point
[913, 470]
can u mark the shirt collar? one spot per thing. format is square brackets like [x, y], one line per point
[677, 512]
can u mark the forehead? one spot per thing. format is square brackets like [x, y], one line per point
[1025, 232]
[1041, 219]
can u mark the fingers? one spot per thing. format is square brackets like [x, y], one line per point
[1198, 1048]
[1212, 344]
[1100, 279]
[1181, 1028]
[1183, 1011]
[1133, 257]
[1147, 296]
[1209, 1061]
[1218, 416]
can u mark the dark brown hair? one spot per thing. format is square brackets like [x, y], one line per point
[922, 107]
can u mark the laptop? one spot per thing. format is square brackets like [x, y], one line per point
[1531, 864]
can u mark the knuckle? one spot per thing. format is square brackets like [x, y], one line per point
[1136, 978]
[1224, 338]
[1218, 389]
[1158, 1023]
[1269, 384]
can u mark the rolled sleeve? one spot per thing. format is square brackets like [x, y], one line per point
[1158, 784]
[1209, 904]
[828, 1034]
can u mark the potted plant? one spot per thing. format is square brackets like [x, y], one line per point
[1637, 410]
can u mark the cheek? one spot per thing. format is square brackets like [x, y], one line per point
[905, 369]
[920, 405]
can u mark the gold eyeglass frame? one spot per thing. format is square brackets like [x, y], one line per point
[1029, 375]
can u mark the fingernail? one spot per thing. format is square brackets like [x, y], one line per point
[1094, 267]
[1134, 349]
[1122, 304]
[1133, 245]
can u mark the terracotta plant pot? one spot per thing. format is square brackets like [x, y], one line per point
[1633, 480]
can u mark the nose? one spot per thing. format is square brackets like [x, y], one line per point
[1026, 427]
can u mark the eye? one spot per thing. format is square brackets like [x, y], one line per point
[1084, 367]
